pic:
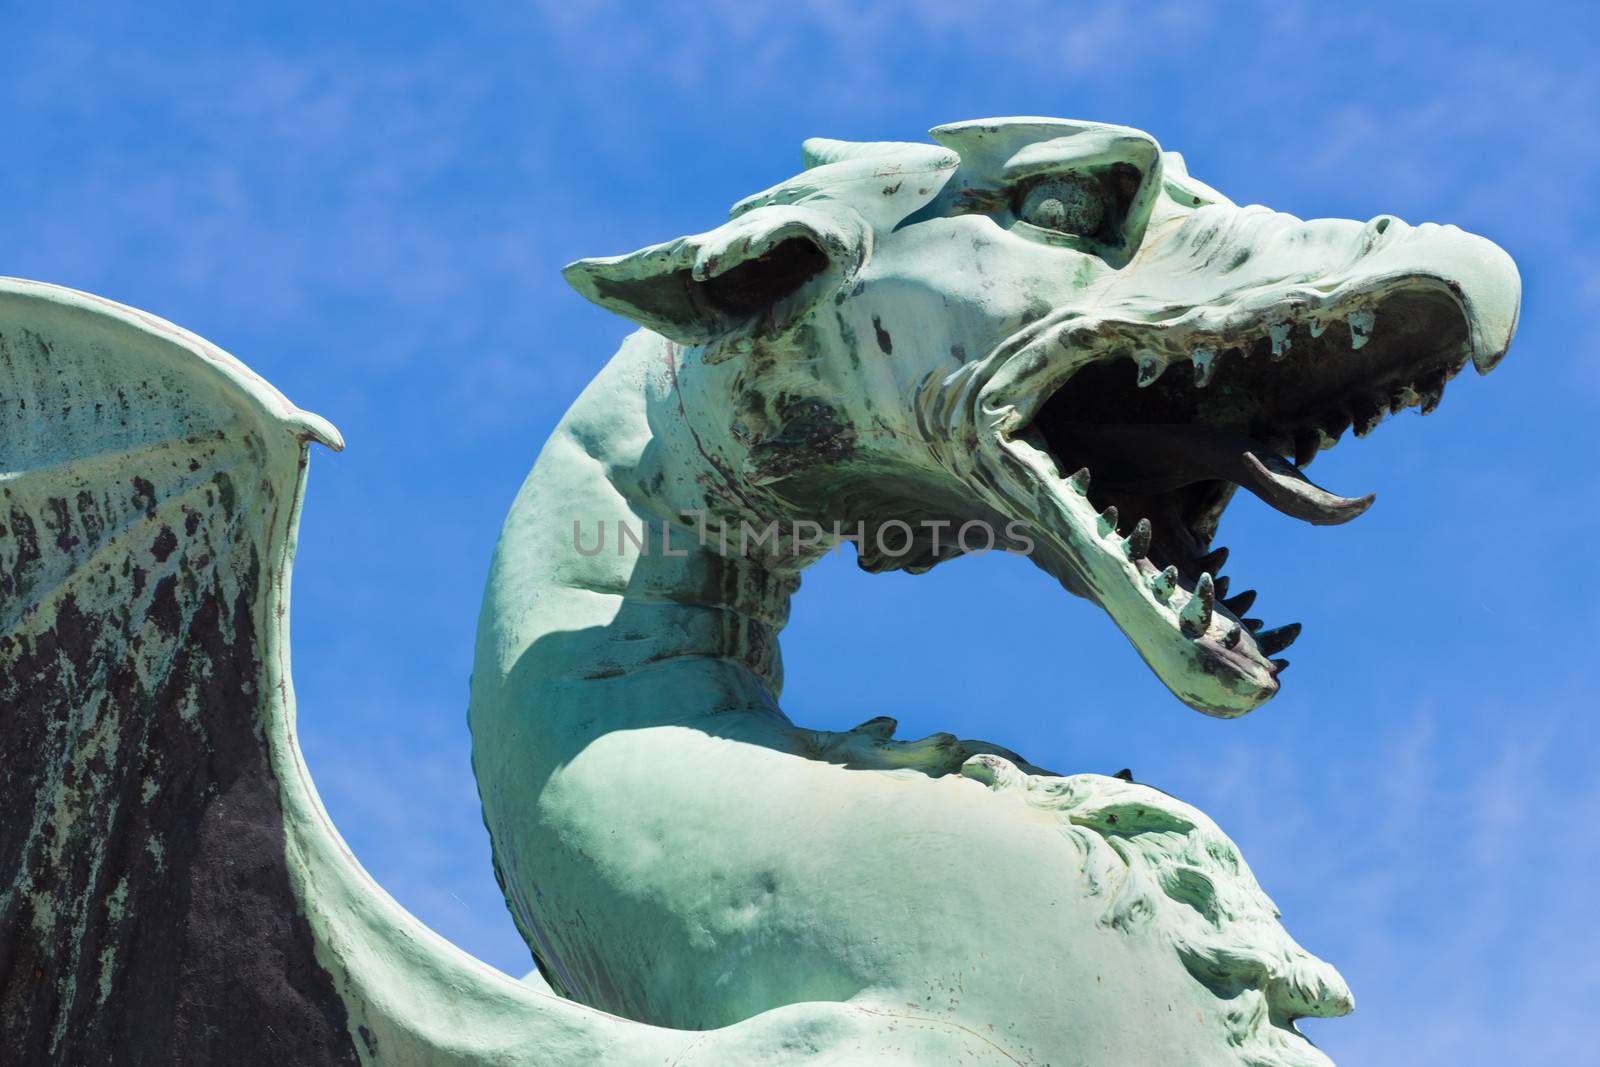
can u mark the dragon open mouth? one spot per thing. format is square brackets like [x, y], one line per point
[1129, 449]
[1163, 446]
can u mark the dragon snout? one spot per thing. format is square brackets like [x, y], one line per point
[1231, 269]
[1475, 270]
[1239, 345]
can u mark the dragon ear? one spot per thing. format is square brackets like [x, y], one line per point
[782, 248]
[699, 288]
[822, 151]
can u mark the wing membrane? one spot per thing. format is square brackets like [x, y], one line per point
[148, 487]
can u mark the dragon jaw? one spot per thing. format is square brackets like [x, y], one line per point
[1127, 321]
[1122, 435]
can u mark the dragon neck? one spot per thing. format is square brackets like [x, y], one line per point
[604, 609]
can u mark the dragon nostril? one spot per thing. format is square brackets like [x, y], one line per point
[1381, 224]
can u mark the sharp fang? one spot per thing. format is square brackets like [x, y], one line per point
[1361, 323]
[1150, 369]
[1279, 332]
[1318, 327]
[1222, 587]
[1430, 393]
[1080, 480]
[1306, 444]
[1195, 618]
[1241, 603]
[1273, 641]
[1366, 416]
[1213, 562]
[1108, 520]
[1165, 584]
[1204, 359]
[1139, 540]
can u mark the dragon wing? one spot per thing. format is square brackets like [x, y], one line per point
[171, 889]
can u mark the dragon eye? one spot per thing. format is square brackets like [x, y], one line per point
[1069, 204]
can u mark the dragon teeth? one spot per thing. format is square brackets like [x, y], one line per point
[1195, 618]
[1271, 642]
[1279, 332]
[1150, 369]
[1306, 444]
[1365, 416]
[1318, 327]
[1080, 480]
[1361, 323]
[1163, 585]
[1430, 393]
[1108, 520]
[1139, 540]
[1204, 359]
[1241, 603]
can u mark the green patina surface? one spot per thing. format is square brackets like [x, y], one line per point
[901, 341]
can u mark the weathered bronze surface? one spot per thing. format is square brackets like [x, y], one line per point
[1034, 335]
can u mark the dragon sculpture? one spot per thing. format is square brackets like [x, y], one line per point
[1034, 334]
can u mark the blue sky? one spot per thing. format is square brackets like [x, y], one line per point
[370, 205]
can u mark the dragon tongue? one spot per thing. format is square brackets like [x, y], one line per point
[1280, 483]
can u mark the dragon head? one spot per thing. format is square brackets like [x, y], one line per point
[1048, 329]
